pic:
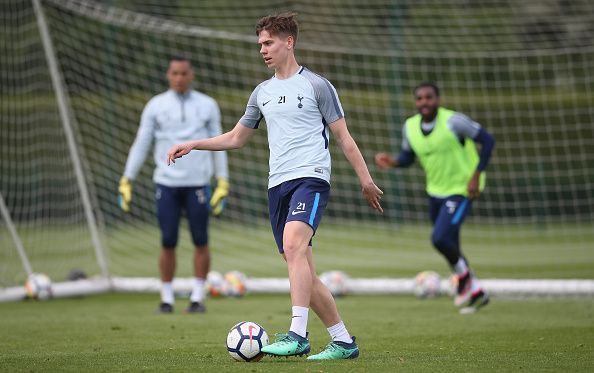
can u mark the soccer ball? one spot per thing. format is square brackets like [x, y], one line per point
[245, 341]
[453, 284]
[427, 284]
[335, 281]
[234, 284]
[38, 286]
[214, 284]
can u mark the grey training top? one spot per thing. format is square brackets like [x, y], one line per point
[171, 118]
[297, 111]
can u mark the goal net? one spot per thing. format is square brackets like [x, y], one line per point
[524, 70]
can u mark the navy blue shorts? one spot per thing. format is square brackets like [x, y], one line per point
[303, 199]
[449, 211]
[447, 215]
[170, 203]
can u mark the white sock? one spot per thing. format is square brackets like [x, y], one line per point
[339, 333]
[198, 290]
[167, 292]
[461, 267]
[474, 285]
[299, 321]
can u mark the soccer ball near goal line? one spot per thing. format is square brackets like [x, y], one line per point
[234, 284]
[427, 285]
[245, 341]
[214, 284]
[38, 286]
[335, 281]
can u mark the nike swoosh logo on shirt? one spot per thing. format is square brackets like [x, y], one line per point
[264, 104]
[297, 212]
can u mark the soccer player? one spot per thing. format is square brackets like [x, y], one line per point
[300, 109]
[444, 142]
[179, 114]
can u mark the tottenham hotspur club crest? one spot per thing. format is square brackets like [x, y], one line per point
[451, 205]
[299, 97]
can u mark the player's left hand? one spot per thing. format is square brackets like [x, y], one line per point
[218, 200]
[373, 194]
[473, 186]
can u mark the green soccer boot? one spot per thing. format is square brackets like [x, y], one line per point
[336, 350]
[289, 344]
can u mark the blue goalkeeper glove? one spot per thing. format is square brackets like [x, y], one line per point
[218, 201]
[125, 194]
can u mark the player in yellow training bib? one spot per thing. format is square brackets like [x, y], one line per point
[444, 142]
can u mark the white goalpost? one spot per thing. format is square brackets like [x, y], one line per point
[65, 118]
[76, 74]
[18, 244]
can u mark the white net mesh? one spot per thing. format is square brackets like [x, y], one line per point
[525, 71]
[37, 177]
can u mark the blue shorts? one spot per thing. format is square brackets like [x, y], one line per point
[303, 199]
[170, 203]
[449, 211]
[447, 216]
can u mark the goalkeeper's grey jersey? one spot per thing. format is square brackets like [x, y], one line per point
[297, 111]
[171, 118]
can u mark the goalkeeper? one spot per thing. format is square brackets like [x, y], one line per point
[178, 115]
[444, 142]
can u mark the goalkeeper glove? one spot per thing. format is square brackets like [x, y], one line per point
[219, 197]
[125, 194]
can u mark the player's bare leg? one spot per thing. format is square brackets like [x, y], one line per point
[201, 268]
[295, 245]
[342, 346]
[167, 264]
[296, 237]
[201, 261]
[322, 301]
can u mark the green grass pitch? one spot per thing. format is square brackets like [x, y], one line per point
[360, 250]
[119, 332]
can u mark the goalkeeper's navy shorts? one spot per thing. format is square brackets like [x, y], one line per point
[170, 203]
[303, 199]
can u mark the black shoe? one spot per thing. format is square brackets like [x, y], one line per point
[165, 308]
[196, 307]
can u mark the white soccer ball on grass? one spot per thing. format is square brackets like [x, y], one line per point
[427, 285]
[335, 281]
[214, 284]
[245, 341]
[38, 286]
[234, 284]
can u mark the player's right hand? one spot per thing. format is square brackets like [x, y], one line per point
[384, 160]
[473, 186]
[125, 194]
[178, 151]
